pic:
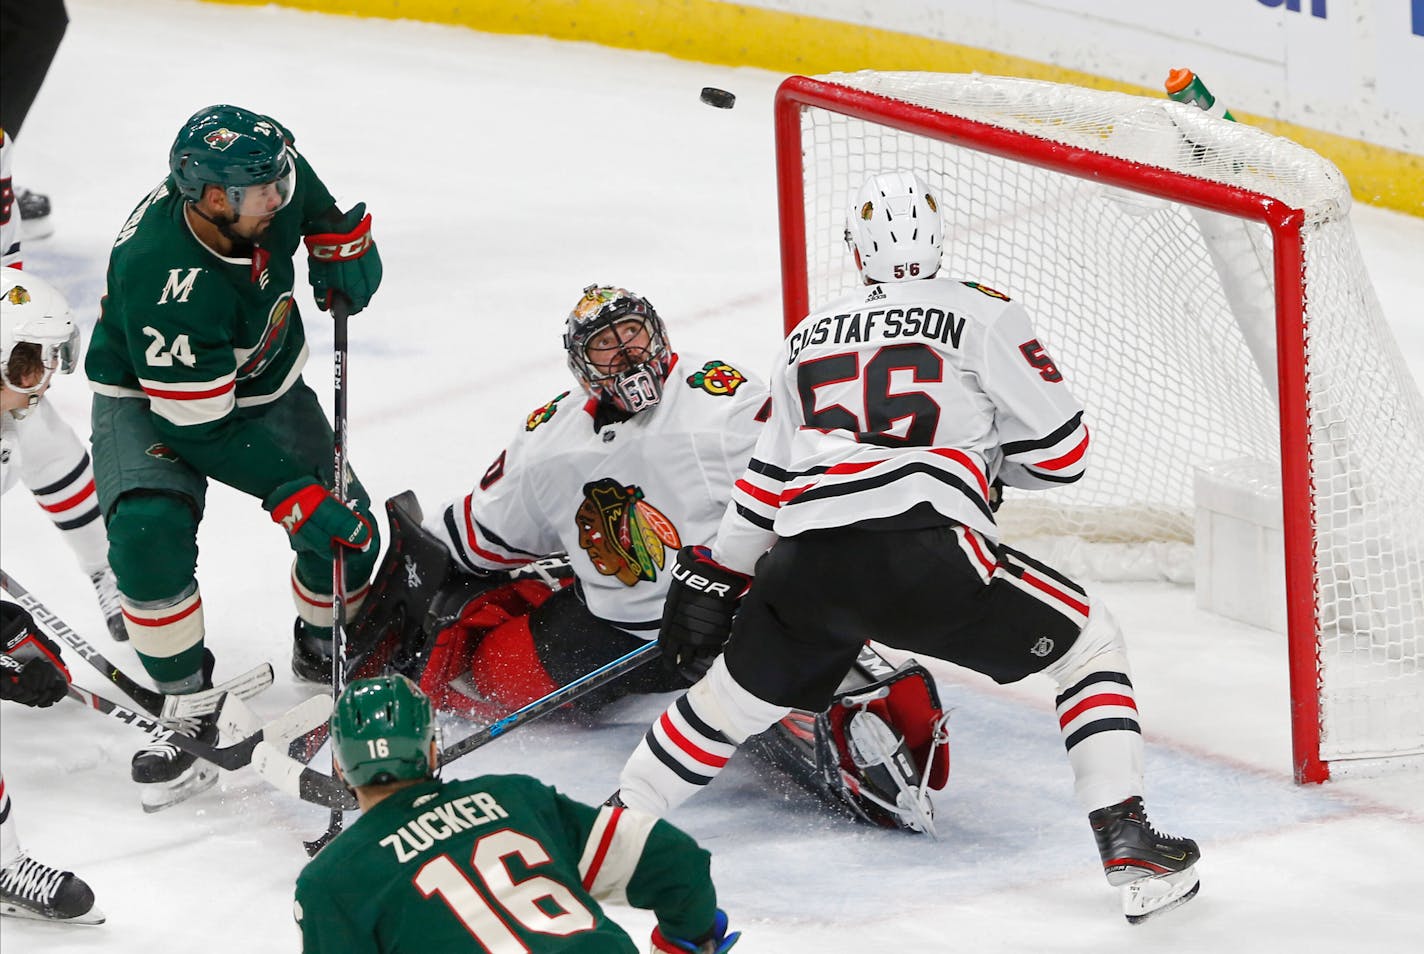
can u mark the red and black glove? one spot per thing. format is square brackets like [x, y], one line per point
[32, 672]
[315, 519]
[344, 261]
[697, 617]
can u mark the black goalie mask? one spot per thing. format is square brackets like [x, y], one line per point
[618, 348]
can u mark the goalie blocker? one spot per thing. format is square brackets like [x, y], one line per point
[873, 754]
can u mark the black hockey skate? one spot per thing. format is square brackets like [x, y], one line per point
[29, 889]
[311, 653]
[167, 774]
[107, 589]
[1157, 872]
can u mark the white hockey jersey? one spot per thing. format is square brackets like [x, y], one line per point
[9, 210]
[900, 394]
[620, 500]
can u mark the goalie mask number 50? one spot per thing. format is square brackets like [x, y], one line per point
[618, 348]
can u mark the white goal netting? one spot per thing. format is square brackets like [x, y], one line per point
[1164, 316]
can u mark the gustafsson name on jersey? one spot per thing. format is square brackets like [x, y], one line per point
[441, 822]
[882, 324]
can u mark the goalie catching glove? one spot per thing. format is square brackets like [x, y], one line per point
[344, 261]
[315, 519]
[32, 672]
[715, 941]
[697, 617]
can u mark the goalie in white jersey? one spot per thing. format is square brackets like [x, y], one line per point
[619, 475]
[867, 512]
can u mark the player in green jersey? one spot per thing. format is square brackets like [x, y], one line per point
[494, 863]
[196, 370]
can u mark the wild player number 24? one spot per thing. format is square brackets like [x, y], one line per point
[159, 357]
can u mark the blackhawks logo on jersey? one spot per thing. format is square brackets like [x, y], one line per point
[18, 295]
[623, 535]
[716, 377]
[542, 414]
[986, 290]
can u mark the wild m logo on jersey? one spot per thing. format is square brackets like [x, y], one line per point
[162, 452]
[716, 377]
[178, 286]
[623, 535]
[541, 415]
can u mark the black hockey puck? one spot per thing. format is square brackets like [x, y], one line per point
[720, 98]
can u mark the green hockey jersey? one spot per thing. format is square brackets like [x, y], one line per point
[498, 863]
[208, 340]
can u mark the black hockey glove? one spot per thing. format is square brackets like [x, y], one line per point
[697, 617]
[344, 261]
[31, 670]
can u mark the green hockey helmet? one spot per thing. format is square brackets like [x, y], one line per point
[381, 731]
[235, 149]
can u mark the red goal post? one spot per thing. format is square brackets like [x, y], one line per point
[1200, 282]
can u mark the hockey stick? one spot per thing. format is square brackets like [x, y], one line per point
[340, 312]
[312, 786]
[294, 721]
[154, 703]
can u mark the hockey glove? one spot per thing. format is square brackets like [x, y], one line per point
[697, 617]
[32, 672]
[314, 519]
[345, 262]
[715, 941]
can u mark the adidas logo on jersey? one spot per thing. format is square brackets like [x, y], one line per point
[876, 294]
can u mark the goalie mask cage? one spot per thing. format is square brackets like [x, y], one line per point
[1200, 283]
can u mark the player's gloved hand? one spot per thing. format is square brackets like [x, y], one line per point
[32, 671]
[697, 616]
[715, 941]
[314, 518]
[345, 261]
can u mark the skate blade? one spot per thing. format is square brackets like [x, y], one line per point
[1149, 897]
[9, 910]
[156, 796]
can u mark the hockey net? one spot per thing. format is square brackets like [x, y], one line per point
[1200, 282]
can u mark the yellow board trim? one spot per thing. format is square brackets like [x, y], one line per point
[732, 35]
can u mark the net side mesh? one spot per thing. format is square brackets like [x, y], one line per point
[1162, 316]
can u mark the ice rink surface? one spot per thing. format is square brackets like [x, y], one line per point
[504, 174]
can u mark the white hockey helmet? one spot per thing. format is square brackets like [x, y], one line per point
[631, 368]
[894, 229]
[34, 313]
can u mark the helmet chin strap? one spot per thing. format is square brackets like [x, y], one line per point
[224, 226]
